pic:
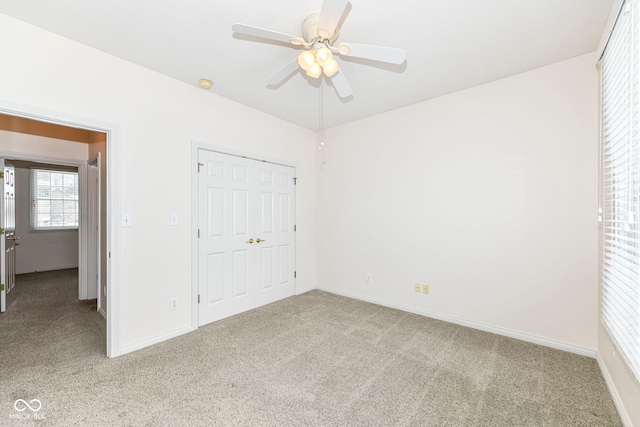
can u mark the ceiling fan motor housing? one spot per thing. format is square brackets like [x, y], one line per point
[310, 29]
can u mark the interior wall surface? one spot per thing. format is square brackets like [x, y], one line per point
[488, 195]
[157, 119]
[40, 250]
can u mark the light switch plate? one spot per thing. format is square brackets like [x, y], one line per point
[126, 220]
[173, 219]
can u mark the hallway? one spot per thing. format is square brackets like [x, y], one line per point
[46, 334]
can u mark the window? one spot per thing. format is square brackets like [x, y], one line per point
[54, 200]
[620, 186]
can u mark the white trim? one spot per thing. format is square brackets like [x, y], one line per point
[56, 268]
[113, 185]
[113, 241]
[194, 234]
[102, 313]
[303, 290]
[232, 152]
[156, 340]
[50, 160]
[613, 391]
[608, 28]
[469, 323]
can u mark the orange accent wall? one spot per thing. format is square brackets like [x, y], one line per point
[49, 130]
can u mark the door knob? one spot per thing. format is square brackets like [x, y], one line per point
[250, 240]
[259, 240]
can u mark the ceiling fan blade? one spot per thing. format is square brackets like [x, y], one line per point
[377, 53]
[330, 15]
[266, 34]
[341, 85]
[283, 73]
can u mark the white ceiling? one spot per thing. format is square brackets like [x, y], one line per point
[450, 44]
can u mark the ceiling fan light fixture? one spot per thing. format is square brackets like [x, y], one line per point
[324, 56]
[319, 34]
[306, 59]
[314, 70]
[331, 68]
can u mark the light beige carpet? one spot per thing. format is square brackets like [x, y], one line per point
[312, 360]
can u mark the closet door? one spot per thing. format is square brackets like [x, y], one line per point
[246, 239]
[275, 238]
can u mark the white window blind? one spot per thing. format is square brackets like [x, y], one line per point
[620, 184]
[54, 199]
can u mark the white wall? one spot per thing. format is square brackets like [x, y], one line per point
[158, 118]
[22, 145]
[489, 195]
[40, 250]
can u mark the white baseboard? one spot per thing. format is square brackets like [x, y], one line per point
[102, 313]
[155, 340]
[50, 268]
[469, 323]
[613, 391]
[304, 289]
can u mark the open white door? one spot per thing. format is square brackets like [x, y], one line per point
[93, 229]
[7, 233]
[89, 231]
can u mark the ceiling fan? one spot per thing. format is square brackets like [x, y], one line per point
[319, 33]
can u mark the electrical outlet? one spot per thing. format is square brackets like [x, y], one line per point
[368, 278]
[418, 287]
[173, 304]
[425, 289]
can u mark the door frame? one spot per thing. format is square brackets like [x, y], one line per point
[195, 146]
[112, 131]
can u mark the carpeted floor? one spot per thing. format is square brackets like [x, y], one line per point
[312, 360]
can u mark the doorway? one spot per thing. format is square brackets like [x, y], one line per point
[55, 140]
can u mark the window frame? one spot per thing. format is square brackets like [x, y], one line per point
[33, 198]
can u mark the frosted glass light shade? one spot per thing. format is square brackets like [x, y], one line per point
[314, 70]
[324, 56]
[331, 68]
[306, 59]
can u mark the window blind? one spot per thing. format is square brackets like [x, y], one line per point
[54, 199]
[619, 186]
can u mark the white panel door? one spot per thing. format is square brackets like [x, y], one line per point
[242, 248]
[7, 234]
[275, 235]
